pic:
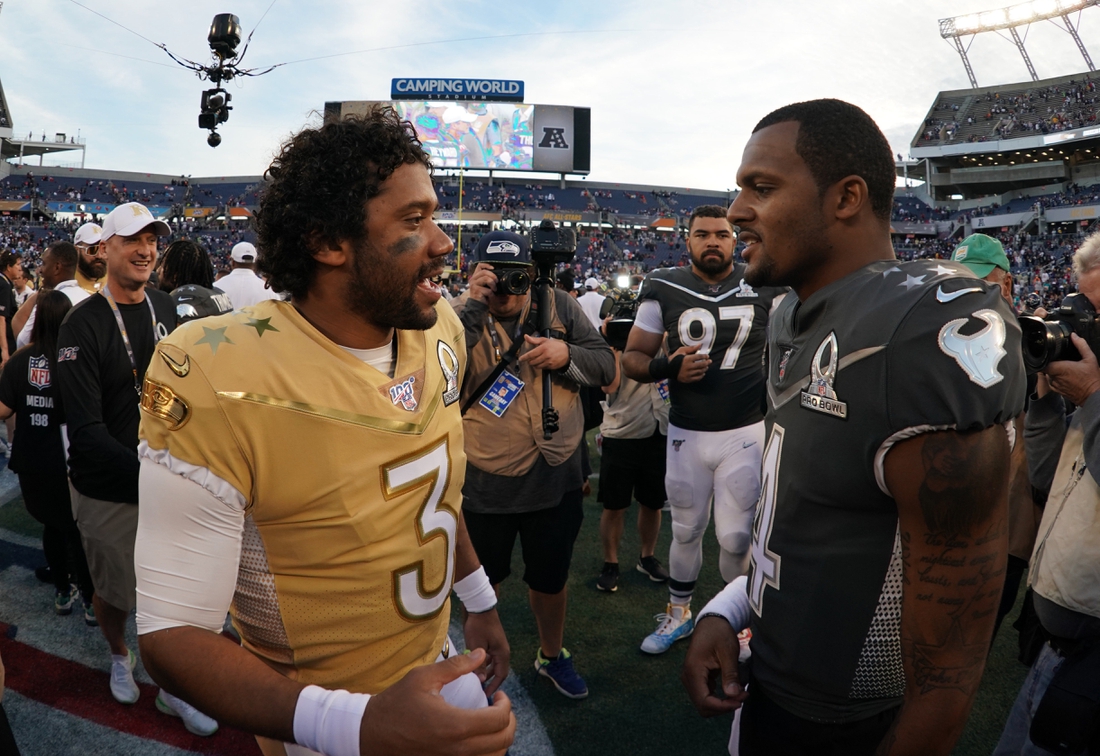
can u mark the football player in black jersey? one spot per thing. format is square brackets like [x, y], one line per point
[715, 323]
[880, 540]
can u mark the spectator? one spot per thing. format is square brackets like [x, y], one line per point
[28, 390]
[104, 349]
[243, 286]
[92, 266]
[10, 262]
[57, 272]
[591, 302]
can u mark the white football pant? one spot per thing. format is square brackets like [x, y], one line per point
[722, 464]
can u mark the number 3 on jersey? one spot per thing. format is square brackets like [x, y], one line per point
[765, 562]
[431, 468]
[689, 317]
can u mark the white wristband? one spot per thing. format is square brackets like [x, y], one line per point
[476, 592]
[328, 721]
[732, 603]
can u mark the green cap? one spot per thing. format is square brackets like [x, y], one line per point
[981, 254]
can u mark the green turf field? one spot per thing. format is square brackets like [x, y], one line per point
[636, 704]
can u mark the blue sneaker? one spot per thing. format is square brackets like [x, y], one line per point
[561, 673]
[676, 623]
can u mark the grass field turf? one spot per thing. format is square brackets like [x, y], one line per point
[636, 704]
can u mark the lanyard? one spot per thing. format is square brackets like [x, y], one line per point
[496, 339]
[122, 329]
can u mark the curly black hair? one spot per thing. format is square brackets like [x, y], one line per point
[185, 262]
[318, 188]
[838, 139]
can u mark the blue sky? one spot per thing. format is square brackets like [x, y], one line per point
[675, 87]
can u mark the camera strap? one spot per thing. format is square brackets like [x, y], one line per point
[527, 329]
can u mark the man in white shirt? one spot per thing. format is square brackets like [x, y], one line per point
[242, 284]
[591, 302]
[58, 272]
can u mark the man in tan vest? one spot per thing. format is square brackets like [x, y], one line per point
[517, 481]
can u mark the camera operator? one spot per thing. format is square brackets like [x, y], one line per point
[517, 480]
[1056, 708]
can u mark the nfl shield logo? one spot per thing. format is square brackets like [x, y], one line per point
[38, 374]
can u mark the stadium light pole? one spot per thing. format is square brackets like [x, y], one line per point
[1011, 19]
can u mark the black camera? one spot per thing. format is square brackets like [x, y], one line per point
[512, 280]
[1046, 340]
[551, 245]
[622, 306]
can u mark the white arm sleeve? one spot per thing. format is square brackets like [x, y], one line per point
[732, 603]
[188, 549]
[649, 317]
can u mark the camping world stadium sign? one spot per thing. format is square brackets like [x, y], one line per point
[495, 90]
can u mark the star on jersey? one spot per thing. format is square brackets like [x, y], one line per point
[261, 325]
[888, 271]
[942, 271]
[911, 281]
[214, 337]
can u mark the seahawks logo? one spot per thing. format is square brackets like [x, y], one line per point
[503, 247]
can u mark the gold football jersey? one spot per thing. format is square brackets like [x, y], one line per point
[353, 483]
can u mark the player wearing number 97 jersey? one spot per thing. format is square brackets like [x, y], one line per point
[716, 429]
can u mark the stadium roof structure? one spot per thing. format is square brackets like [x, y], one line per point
[13, 147]
[1011, 19]
[981, 142]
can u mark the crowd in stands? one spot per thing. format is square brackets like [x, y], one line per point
[1054, 107]
[179, 192]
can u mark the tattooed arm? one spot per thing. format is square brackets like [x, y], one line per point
[952, 495]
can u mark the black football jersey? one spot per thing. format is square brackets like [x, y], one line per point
[729, 321]
[890, 351]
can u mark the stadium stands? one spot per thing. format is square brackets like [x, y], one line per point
[1012, 110]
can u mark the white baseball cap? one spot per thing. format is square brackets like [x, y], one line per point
[243, 252]
[592, 284]
[88, 235]
[132, 218]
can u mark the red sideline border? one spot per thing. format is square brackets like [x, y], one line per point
[85, 692]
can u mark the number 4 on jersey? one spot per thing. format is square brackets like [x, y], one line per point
[765, 562]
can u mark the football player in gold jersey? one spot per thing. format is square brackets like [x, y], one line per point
[302, 467]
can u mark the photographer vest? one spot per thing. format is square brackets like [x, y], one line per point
[1063, 565]
[510, 444]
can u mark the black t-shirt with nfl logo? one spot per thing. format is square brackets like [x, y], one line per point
[28, 386]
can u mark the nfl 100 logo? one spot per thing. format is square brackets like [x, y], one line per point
[38, 374]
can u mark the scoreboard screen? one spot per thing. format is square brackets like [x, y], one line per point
[493, 135]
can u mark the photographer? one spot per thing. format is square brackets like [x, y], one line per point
[518, 481]
[1056, 710]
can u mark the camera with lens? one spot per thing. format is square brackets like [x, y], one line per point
[622, 306]
[1047, 340]
[512, 280]
[551, 245]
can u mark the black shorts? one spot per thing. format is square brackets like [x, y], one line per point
[633, 466]
[546, 537]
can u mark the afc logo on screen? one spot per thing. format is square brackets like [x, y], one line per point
[554, 138]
